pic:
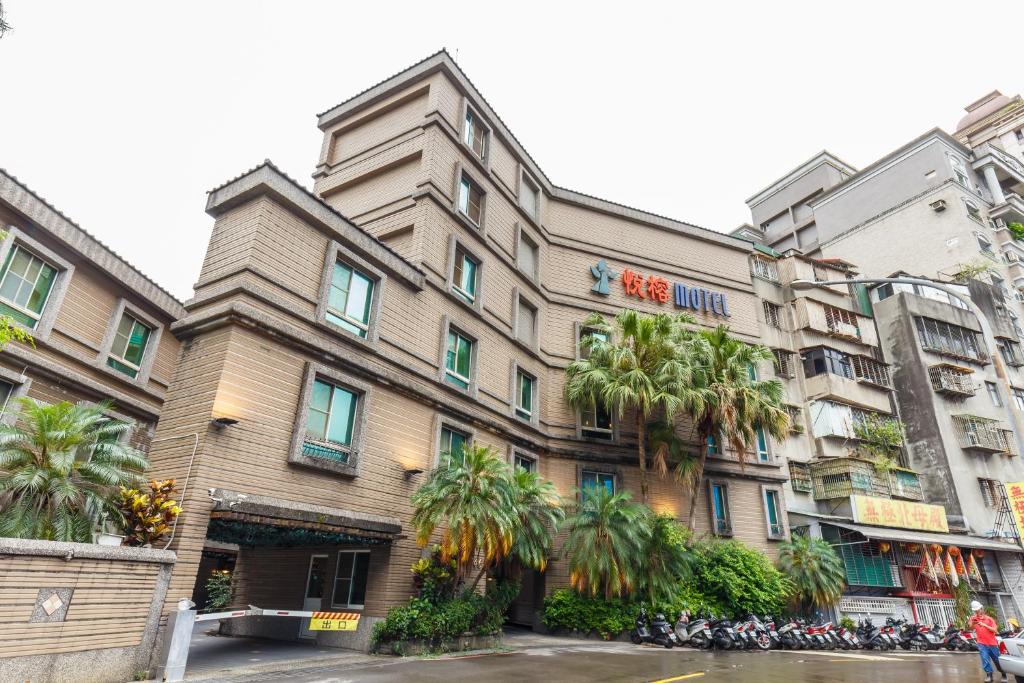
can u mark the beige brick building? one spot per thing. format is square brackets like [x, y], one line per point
[324, 322]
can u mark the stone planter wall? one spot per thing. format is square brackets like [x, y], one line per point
[419, 647]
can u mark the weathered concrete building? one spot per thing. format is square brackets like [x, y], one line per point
[429, 293]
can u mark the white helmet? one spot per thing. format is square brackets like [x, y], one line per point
[975, 605]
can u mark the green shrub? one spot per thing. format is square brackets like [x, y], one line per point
[848, 623]
[567, 610]
[740, 580]
[435, 622]
[1017, 230]
[218, 590]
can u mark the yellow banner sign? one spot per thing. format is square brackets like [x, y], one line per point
[1015, 492]
[900, 514]
[334, 621]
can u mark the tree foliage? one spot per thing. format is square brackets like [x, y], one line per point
[60, 469]
[814, 568]
[740, 579]
[667, 560]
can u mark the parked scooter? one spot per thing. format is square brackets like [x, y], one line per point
[872, 637]
[914, 636]
[695, 632]
[790, 635]
[656, 633]
[724, 635]
[956, 639]
[852, 642]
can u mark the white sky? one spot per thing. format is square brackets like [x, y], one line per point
[124, 113]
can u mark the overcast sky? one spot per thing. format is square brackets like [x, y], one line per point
[123, 114]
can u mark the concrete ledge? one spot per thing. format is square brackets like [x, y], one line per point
[90, 666]
[463, 643]
[72, 551]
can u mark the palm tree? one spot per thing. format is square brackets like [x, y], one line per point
[815, 570]
[539, 510]
[61, 467]
[606, 537]
[635, 364]
[666, 558]
[473, 499]
[727, 403]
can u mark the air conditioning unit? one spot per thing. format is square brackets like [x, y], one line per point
[1011, 257]
[938, 205]
[845, 329]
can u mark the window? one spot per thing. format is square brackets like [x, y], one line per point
[527, 256]
[350, 580]
[25, 286]
[764, 268]
[712, 443]
[129, 346]
[1020, 136]
[329, 424]
[525, 385]
[958, 171]
[596, 422]
[524, 462]
[526, 321]
[458, 360]
[867, 369]
[991, 492]
[984, 245]
[471, 200]
[720, 522]
[475, 134]
[884, 292]
[453, 443]
[1018, 398]
[772, 315]
[993, 394]
[783, 363]
[800, 477]
[1010, 351]
[771, 508]
[465, 271]
[821, 360]
[974, 212]
[349, 300]
[529, 196]
[590, 333]
[761, 439]
[946, 339]
[592, 479]
[841, 322]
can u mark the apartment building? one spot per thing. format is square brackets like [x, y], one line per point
[427, 294]
[99, 324]
[940, 208]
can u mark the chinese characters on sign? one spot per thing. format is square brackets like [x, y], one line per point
[659, 290]
[900, 514]
[1015, 494]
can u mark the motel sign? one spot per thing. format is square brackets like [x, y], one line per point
[660, 290]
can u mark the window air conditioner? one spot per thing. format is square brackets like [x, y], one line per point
[938, 205]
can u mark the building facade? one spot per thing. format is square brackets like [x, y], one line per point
[427, 294]
[939, 207]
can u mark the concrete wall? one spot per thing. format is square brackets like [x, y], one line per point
[103, 628]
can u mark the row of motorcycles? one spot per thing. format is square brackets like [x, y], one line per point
[767, 633]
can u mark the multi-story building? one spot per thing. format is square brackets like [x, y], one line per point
[427, 294]
[98, 324]
[939, 209]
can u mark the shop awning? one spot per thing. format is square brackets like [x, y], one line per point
[923, 537]
[253, 520]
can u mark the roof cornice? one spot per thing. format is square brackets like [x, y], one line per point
[267, 180]
[443, 62]
[823, 157]
[23, 200]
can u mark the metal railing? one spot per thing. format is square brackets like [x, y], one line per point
[843, 477]
[800, 477]
[983, 434]
[949, 380]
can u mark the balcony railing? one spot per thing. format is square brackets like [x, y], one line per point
[871, 371]
[843, 477]
[952, 380]
[800, 477]
[982, 434]
[324, 449]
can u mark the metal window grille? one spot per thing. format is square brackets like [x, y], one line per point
[871, 370]
[800, 476]
[949, 340]
[784, 366]
[841, 322]
[952, 381]
[991, 492]
[795, 422]
[1010, 351]
[864, 561]
[772, 315]
[764, 268]
[982, 434]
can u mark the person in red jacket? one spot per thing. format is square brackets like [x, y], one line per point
[988, 647]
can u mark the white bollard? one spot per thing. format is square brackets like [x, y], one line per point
[174, 652]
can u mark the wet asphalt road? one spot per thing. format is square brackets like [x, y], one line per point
[624, 662]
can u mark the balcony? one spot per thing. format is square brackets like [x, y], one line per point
[800, 477]
[871, 371]
[844, 330]
[849, 391]
[952, 380]
[984, 435]
[844, 477]
[1011, 210]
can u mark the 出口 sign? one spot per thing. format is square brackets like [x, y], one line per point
[659, 290]
[900, 514]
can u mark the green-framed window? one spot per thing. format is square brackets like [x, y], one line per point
[453, 443]
[596, 422]
[771, 506]
[458, 360]
[25, 286]
[720, 509]
[350, 299]
[330, 421]
[763, 454]
[525, 385]
[129, 347]
[465, 272]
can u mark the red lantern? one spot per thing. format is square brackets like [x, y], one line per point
[913, 547]
[884, 546]
[978, 552]
[955, 552]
